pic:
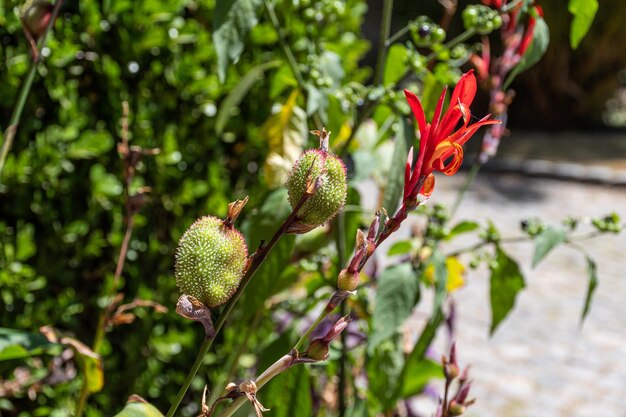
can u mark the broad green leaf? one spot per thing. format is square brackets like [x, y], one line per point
[19, 344]
[462, 227]
[395, 65]
[547, 240]
[505, 282]
[384, 367]
[233, 21]
[237, 94]
[138, 407]
[591, 288]
[400, 248]
[395, 185]
[90, 144]
[538, 47]
[288, 394]
[583, 12]
[419, 350]
[397, 294]
[286, 134]
[418, 374]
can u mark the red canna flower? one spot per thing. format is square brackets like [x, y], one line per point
[493, 3]
[440, 147]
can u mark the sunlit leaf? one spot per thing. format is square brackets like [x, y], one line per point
[505, 282]
[583, 12]
[418, 374]
[286, 134]
[395, 65]
[547, 240]
[592, 272]
[454, 273]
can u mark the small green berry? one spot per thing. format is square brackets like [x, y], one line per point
[210, 261]
[347, 281]
[330, 194]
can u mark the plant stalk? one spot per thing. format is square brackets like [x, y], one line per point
[256, 261]
[11, 130]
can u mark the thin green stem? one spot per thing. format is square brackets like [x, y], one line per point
[385, 28]
[341, 372]
[11, 130]
[256, 261]
[461, 37]
[310, 329]
[291, 59]
[397, 35]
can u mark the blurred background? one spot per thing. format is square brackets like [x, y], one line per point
[62, 194]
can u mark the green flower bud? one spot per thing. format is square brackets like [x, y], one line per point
[329, 195]
[210, 261]
[347, 281]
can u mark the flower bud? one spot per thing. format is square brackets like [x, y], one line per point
[347, 281]
[36, 15]
[455, 409]
[328, 173]
[317, 350]
[210, 260]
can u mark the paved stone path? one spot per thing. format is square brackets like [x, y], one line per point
[540, 362]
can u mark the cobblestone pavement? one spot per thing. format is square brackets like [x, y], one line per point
[541, 362]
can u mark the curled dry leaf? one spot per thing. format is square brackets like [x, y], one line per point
[191, 308]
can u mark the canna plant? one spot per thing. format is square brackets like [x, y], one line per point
[293, 294]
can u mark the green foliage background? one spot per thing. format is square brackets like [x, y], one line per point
[61, 193]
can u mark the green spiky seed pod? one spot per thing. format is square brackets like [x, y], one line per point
[210, 261]
[330, 195]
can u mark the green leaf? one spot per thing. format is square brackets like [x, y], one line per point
[400, 248]
[395, 184]
[547, 240]
[19, 344]
[538, 47]
[583, 12]
[505, 282]
[237, 94]
[90, 144]
[462, 227]
[289, 394]
[591, 288]
[418, 374]
[233, 21]
[395, 65]
[419, 350]
[384, 367]
[138, 407]
[398, 291]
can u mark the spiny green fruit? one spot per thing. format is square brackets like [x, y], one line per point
[329, 197]
[210, 261]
